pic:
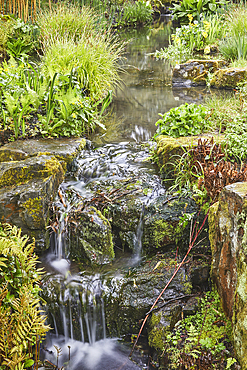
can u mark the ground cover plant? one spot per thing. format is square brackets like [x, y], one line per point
[201, 341]
[185, 120]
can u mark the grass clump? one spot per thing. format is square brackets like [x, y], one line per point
[66, 21]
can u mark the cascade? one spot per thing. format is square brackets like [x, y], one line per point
[76, 308]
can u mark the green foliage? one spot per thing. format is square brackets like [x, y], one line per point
[192, 37]
[66, 21]
[201, 337]
[236, 138]
[195, 8]
[234, 47]
[22, 40]
[22, 323]
[136, 13]
[185, 120]
[58, 104]
[94, 58]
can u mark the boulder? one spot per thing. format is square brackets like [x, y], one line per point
[228, 77]
[30, 174]
[228, 238]
[195, 72]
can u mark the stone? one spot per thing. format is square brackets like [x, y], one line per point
[64, 149]
[30, 174]
[228, 238]
[228, 77]
[90, 237]
[169, 149]
[195, 72]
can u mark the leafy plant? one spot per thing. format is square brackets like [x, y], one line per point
[185, 120]
[200, 341]
[195, 8]
[136, 13]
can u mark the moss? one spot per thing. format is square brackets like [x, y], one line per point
[157, 333]
[228, 77]
[212, 223]
[34, 209]
[24, 171]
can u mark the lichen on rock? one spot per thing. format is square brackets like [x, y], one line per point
[228, 77]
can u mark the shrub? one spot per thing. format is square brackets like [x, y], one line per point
[185, 120]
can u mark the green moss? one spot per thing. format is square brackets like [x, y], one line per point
[25, 171]
[212, 223]
[164, 233]
[157, 333]
[34, 209]
[228, 77]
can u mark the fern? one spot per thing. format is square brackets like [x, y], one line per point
[21, 321]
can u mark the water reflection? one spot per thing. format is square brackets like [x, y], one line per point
[146, 89]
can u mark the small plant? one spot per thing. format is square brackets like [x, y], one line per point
[201, 341]
[136, 13]
[185, 120]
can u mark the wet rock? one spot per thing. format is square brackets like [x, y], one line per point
[26, 189]
[11, 154]
[91, 238]
[30, 174]
[26, 206]
[228, 78]
[20, 172]
[228, 236]
[194, 72]
[129, 297]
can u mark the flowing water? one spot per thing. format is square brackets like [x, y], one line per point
[77, 312]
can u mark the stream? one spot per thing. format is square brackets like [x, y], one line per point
[80, 338]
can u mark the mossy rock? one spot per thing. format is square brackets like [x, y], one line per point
[228, 77]
[39, 167]
[170, 149]
[129, 297]
[195, 72]
[228, 238]
[11, 154]
[64, 149]
[91, 238]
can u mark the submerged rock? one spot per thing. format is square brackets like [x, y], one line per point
[195, 72]
[228, 238]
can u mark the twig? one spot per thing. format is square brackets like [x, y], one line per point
[191, 244]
